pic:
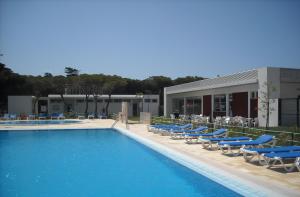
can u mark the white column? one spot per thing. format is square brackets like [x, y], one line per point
[227, 104]
[249, 104]
[184, 106]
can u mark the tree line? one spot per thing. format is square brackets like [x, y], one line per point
[90, 85]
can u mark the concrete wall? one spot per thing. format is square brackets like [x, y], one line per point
[269, 89]
[283, 83]
[20, 105]
[152, 107]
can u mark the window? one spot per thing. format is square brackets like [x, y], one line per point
[193, 106]
[55, 100]
[100, 100]
[154, 100]
[147, 100]
[117, 100]
[55, 108]
[220, 103]
[79, 100]
[178, 106]
[254, 95]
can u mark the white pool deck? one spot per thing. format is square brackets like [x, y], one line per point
[269, 182]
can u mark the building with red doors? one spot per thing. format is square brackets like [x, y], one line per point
[242, 94]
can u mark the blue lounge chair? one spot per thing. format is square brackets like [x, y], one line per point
[102, 116]
[250, 153]
[13, 116]
[6, 117]
[168, 130]
[31, 117]
[273, 158]
[61, 116]
[43, 116]
[157, 127]
[180, 134]
[227, 147]
[193, 138]
[54, 116]
[208, 143]
[91, 116]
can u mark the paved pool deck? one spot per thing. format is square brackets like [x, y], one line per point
[278, 183]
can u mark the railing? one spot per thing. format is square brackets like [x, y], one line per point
[283, 137]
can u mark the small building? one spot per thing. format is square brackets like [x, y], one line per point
[76, 104]
[241, 94]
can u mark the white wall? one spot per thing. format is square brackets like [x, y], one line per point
[151, 107]
[271, 77]
[20, 105]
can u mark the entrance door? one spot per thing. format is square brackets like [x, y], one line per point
[42, 106]
[135, 109]
[298, 111]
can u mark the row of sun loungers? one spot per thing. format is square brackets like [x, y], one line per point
[263, 148]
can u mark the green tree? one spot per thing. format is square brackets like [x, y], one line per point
[112, 83]
[48, 75]
[266, 101]
[71, 72]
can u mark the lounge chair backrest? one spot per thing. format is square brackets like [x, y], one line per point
[264, 139]
[219, 131]
[12, 116]
[200, 129]
[186, 126]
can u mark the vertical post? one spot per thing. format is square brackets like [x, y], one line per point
[227, 104]
[212, 107]
[165, 103]
[279, 112]
[202, 104]
[249, 104]
[184, 105]
[298, 111]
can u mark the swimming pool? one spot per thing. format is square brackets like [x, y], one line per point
[37, 122]
[93, 163]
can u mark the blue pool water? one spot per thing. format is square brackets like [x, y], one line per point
[37, 122]
[92, 163]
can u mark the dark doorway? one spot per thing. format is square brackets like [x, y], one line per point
[289, 112]
[135, 109]
[253, 107]
[240, 104]
[207, 105]
[43, 106]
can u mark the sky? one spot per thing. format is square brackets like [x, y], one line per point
[142, 38]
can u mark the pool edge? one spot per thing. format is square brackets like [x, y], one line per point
[217, 175]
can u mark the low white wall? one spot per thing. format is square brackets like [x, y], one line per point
[20, 105]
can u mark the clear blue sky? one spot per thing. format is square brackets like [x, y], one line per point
[139, 38]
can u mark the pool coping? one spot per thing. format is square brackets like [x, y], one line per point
[212, 173]
[236, 183]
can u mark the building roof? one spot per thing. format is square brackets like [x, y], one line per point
[241, 78]
[103, 96]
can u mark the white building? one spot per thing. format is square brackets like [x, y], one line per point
[241, 94]
[76, 104]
